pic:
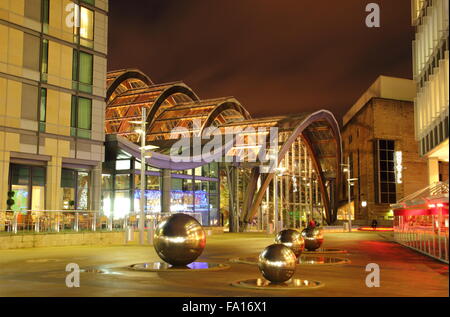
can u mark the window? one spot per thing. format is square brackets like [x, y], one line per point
[87, 27]
[84, 31]
[43, 110]
[82, 71]
[386, 171]
[351, 174]
[81, 118]
[122, 181]
[28, 184]
[91, 2]
[446, 127]
[122, 165]
[75, 189]
[45, 15]
[44, 61]
[107, 182]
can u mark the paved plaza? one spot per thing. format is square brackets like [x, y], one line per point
[41, 271]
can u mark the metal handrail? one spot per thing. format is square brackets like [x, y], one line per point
[435, 189]
[56, 220]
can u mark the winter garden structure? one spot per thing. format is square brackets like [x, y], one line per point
[227, 185]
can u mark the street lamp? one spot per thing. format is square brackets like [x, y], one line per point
[142, 131]
[279, 171]
[350, 181]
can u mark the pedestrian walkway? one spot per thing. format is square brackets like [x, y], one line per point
[403, 272]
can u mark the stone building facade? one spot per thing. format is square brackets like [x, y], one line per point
[381, 151]
[53, 56]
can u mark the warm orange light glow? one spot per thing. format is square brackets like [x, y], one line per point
[376, 229]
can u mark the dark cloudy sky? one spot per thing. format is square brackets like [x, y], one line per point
[274, 56]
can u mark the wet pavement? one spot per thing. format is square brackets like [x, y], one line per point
[41, 271]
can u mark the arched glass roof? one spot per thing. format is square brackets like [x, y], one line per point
[120, 81]
[175, 105]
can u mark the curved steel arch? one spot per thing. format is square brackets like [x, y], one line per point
[179, 88]
[230, 104]
[127, 74]
[298, 132]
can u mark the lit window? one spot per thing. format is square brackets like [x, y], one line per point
[123, 165]
[84, 29]
[81, 117]
[86, 24]
[386, 171]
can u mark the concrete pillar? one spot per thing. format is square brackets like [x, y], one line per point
[4, 186]
[433, 170]
[96, 188]
[166, 190]
[53, 188]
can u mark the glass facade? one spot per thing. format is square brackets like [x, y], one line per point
[82, 71]
[192, 191]
[385, 169]
[74, 190]
[28, 185]
[81, 117]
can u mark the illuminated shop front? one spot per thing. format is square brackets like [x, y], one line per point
[193, 190]
[28, 210]
[75, 189]
[28, 185]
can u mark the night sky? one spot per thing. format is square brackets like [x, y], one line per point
[274, 56]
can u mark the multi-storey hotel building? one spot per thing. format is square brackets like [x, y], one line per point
[52, 102]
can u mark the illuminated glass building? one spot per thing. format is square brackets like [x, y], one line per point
[52, 97]
[238, 191]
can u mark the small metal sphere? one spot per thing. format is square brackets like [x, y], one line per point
[292, 239]
[277, 263]
[179, 239]
[313, 238]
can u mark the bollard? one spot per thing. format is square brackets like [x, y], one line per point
[94, 222]
[76, 222]
[14, 226]
[129, 234]
[36, 225]
[150, 231]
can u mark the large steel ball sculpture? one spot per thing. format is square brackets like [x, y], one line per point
[179, 239]
[292, 239]
[313, 237]
[277, 263]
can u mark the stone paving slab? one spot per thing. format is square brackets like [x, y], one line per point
[41, 272]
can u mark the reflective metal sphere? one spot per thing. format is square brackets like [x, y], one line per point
[313, 238]
[292, 239]
[179, 239]
[277, 263]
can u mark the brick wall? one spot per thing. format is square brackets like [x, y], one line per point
[382, 119]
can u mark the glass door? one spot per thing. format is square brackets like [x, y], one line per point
[28, 185]
[38, 189]
[20, 181]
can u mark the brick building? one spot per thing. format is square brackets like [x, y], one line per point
[381, 151]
